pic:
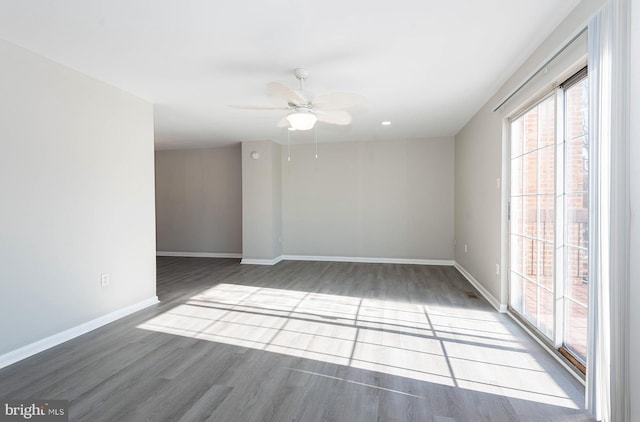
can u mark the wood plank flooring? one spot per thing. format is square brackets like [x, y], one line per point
[304, 341]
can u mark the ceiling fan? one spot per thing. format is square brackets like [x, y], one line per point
[304, 113]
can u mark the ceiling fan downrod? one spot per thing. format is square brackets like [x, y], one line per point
[301, 74]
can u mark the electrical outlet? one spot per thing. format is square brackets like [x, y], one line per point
[105, 279]
[497, 269]
[466, 248]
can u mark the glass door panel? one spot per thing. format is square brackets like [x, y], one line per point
[532, 202]
[576, 214]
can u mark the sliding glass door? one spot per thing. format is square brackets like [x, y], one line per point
[549, 227]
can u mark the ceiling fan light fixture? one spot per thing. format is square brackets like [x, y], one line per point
[302, 120]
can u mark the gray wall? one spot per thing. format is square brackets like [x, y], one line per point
[276, 214]
[76, 181]
[369, 199]
[261, 201]
[199, 200]
[635, 212]
[478, 161]
[477, 200]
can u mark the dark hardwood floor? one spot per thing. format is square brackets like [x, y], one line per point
[304, 341]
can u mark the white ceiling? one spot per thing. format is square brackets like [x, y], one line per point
[425, 65]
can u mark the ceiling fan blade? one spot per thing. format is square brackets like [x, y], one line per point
[279, 89]
[241, 107]
[334, 117]
[337, 101]
[283, 122]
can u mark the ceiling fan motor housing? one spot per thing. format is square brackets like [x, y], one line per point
[302, 73]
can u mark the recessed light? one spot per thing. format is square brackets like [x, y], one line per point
[386, 123]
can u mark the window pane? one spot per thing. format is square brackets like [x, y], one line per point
[577, 220]
[546, 217]
[546, 312]
[576, 329]
[516, 215]
[547, 126]
[577, 109]
[531, 302]
[547, 169]
[530, 173]
[576, 224]
[516, 176]
[530, 258]
[515, 291]
[517, 138]
[577, 274]
[517, 253]
[545, 252]
[577, 165]
[530, 131]
[530, 216]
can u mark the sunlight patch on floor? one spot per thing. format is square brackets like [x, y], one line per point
[422, 342]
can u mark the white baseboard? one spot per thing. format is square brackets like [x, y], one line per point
[502, 308]
[368, 260]
[200, 254]
[252, 261]
[255, 261]
[56, 339]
